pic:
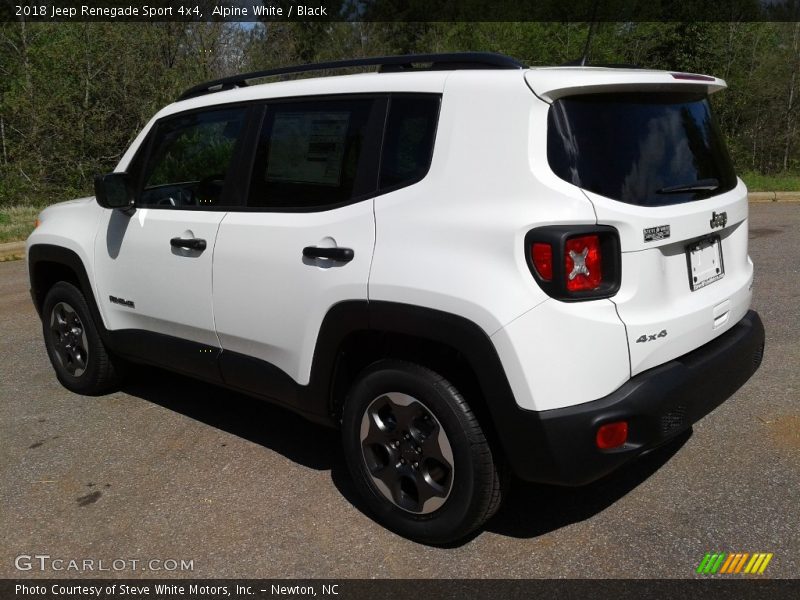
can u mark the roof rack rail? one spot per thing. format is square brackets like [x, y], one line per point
[435, 62]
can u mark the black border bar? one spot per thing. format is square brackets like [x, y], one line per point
[400, 10]
[741, 587]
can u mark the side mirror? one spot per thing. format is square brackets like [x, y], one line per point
[113, 190]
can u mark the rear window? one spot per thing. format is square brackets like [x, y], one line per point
[649, 149]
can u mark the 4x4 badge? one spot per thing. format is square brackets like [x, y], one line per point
[653, 337]
[718, 219]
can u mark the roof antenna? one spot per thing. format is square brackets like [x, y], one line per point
[592, 27]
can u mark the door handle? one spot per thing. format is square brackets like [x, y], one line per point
[188, 243]
[337, 254]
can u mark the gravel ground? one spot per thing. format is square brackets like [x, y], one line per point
[173, 469]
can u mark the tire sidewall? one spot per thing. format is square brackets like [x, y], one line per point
[87, 381]
[389, 376]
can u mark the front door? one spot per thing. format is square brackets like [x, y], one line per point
[154, 263]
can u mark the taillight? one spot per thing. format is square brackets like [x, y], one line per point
[542, 256]
[575, 262]
[583, 264]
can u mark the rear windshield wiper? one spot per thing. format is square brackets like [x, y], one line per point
[701, 185]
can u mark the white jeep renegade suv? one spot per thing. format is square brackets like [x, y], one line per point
[464, 263]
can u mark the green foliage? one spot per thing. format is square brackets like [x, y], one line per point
[193, 158]
[16, 222]
[74, 95]
[757, 182]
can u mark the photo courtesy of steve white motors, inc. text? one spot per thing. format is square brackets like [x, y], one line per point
[171, 589]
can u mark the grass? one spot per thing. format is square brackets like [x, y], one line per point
[16, 222]
[771, 183]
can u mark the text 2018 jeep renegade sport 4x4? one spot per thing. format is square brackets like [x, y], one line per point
[466, 265]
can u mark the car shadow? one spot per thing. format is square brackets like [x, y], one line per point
[529, 510]
[249, 418]
[532, 510]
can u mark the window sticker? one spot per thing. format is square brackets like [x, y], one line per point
[308, 147]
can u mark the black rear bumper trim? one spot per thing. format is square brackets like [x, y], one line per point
[658, 404]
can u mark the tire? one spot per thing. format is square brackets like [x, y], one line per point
[417, 454]
[78, 355]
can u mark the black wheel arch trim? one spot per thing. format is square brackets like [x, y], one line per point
[317, 400]
[456, 332]
[50, 253]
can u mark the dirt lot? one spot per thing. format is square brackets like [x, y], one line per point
[169, 469]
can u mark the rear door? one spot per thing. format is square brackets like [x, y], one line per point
[654, 165]
[304, 242]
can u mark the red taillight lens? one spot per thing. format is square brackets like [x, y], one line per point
[574, 262]
[612, 435]
[542, 257]
[583, 263]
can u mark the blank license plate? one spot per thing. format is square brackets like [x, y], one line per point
[704, 258]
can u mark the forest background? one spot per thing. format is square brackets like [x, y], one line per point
[74, 95]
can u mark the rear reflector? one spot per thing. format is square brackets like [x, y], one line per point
[583, 263]
[612, 435]
[542, 257]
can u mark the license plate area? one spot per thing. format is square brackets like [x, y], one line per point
[704, 260]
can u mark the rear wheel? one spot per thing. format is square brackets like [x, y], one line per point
[417, 453]
[81, 361]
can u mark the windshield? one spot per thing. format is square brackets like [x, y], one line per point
[649, 149]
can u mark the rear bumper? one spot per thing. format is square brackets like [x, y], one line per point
[559, 445]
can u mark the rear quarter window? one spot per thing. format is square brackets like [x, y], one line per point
[408, 143]
[649, 149]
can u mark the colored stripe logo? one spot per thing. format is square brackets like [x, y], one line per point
[732, 563]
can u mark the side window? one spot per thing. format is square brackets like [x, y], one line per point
[189, 159]
[314, 154]
[408, 145]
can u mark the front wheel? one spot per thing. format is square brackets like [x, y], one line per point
[81, 361]
[417, 453]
